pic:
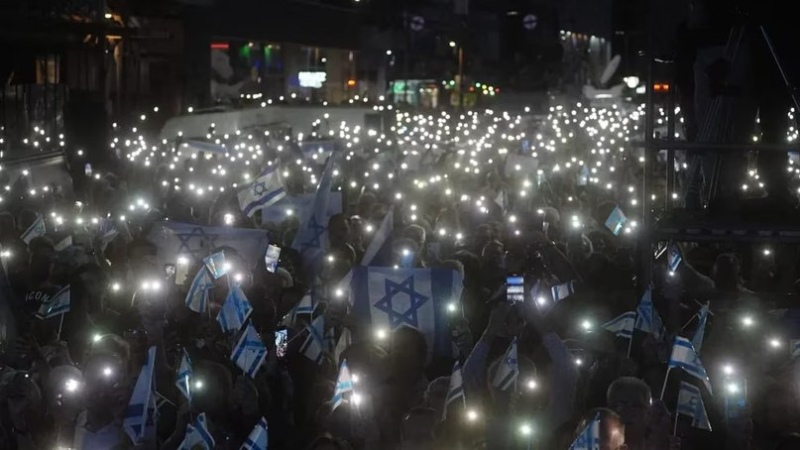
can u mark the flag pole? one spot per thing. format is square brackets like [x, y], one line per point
[60, 325]
[630, 343]
[675, 426]
[664, 387]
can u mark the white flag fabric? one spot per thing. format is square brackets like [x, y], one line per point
[389, 298]
[250, 352]
[36, 229]
[622, 325]
[262, 193]
[508, 369]
[258, 438]
[197, 297]
[184, 376]
[55, 306]
[380, 238]
[684, 357]
[690, 403]
[235, 310]
[139, 407]
[215, 264]
[673, 256]
[197, 435]
[344, 384]
[647, 318]
[589, 439]
[314, 345]
[456, 389]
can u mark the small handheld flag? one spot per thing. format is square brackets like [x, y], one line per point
[216, 264]
[57, 305]
[139, 407]
[589, 439]
[197, 297]
[456, 389]
[697, 339]
[508, 370]
[647, 318]
[264, 192]
[344, 384]
[673, 257]
[36, 229]
[684, 357]
[314, 344]
[258, 438]
[235, 310]
[197, 435]
[622, 326]
[250, 352]
[379, 239]
[690, 403]
[616, 221]
[184, 376]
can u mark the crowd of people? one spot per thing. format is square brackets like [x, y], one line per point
[140, 310]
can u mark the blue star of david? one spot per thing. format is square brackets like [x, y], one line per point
[317, 231]
[416, 300]
[259, 188]
[203, 242]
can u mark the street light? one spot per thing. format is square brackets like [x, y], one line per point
[452, 44]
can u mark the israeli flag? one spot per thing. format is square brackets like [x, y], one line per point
[311, 239]
[697, 339]
[264, 192]
[176, 239]
[344, 384]
[184, 376]
[36, 229]
[314, 344]
[647, 318]
[307, 305]
[300, 206]
[562, 291]
[197, 435]
[250, 352]
[389, 298]
[456, 389]
[258, 438]
[616, 221]
[345, 341]
[197, 297]
[690, 403]
[622, 326]
[508, 369]
[380, 238]
[139, 407]
[216, 264]
[589, 439]
[55, 306]
[673, 257]
[235, 310]
[795, 347]
[684, 357]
